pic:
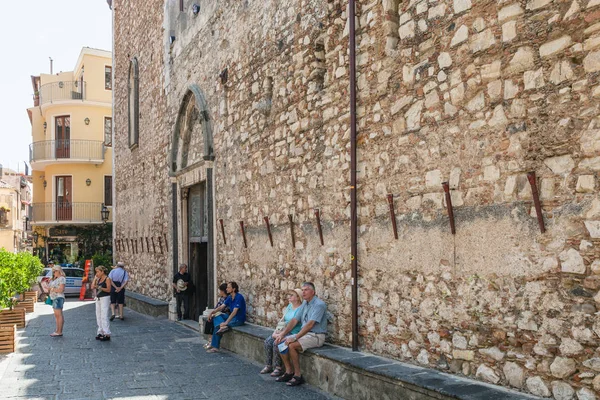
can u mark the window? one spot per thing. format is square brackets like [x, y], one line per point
[133, 97]
[108, 131]
[108, 190]
[107, 77]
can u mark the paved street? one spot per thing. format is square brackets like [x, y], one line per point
[146, 359]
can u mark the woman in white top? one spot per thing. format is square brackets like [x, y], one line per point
[57, 294]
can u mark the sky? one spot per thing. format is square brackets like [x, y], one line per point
[31, 31]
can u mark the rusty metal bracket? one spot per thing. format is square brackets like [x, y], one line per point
[243, 233]
[446, 187]
[166, 242]
[536, 200]
[390, 198]
[269, 230]
[291, 219]
[160, 244]
[147, 245]
[318, 215]
[153, 245]
[223, 230]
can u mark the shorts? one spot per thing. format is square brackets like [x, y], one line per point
[117, 298]
[311, 340]
[58, 303]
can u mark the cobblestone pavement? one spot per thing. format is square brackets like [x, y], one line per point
[146, 359]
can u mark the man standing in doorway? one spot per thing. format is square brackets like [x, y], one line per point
[181, 281]
[119, 279]
[313, 316]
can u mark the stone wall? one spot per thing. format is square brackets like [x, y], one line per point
[142, 213]
[476, 94]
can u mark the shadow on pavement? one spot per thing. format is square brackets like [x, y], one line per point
[146, 359]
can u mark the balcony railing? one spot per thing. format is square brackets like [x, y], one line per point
[61, 91]
[73, 149]
[67, 212]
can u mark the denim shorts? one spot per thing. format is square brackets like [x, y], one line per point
[58, 303]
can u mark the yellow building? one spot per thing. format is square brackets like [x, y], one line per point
[15, 198]
[71, 157]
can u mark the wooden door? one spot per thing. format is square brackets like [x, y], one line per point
[63, 137]
[64, 211]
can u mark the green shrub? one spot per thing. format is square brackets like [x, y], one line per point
[18, 272]
[102, 259]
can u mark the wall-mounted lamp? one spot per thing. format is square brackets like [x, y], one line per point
[171, 39]
[87, 121]
[195, 8]
[45, 184]
[88, 181]
[104, 213]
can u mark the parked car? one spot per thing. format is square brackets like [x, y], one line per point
[74, 276]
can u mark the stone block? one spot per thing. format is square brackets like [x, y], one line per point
[461, 5]
[534, 79]
[561, 72]
[570, 347]
[560, 165]
[562, 391]
[585, 184]
[509, 31]
[593, 228]
[591, 63]
[514, 374]
[444, 60]
[535, 4]
[509, 12]
[487, 374]
[407, 30]
[521, 61]
[590, 163]
[466, 355]
[482, 41]
[555, 46]
[563, 367]
[537, 386]
[461, 35]
[571, 262]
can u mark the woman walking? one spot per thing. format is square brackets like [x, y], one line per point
[57, 295]
[102, 284]
[274, 362]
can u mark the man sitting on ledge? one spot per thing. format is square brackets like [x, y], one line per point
[313, 316]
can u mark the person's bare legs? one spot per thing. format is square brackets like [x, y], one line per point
[60, 321]
[121, 311]
[112, 309]
[294, 352]
[287, 363]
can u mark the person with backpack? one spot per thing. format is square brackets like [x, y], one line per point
[119, 279]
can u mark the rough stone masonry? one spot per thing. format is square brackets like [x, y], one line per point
[476, 93]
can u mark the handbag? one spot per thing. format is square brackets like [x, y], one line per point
[209, 327]
[48, 300]
[280, 325]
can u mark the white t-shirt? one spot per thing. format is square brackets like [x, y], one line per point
[55, 284]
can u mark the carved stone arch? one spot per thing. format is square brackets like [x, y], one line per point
[193, 109]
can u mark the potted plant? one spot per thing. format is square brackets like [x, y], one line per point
[17, 273]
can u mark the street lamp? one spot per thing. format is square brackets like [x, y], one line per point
[35, 236]
[104, 213]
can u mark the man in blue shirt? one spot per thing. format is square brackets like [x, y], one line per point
[313, 316]
[237, 304]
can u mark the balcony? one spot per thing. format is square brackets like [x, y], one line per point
[63, 91]
[67, 213]
[48, 152]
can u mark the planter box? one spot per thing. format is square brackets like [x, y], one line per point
[15, 316]
[31, 295]
[28, 305]
[8, 336]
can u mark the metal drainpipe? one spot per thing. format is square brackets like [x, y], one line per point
[354, 221]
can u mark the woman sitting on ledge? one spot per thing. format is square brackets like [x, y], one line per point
[224, 322]
[271, 351]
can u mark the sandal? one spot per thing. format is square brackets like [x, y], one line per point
[296, 380]
[207, 346]
[284, 378]
[212, 350]
[266, 369]
[56, 334]
[277, 372]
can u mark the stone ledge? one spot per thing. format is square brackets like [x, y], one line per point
[147, 305]
[354, 375]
